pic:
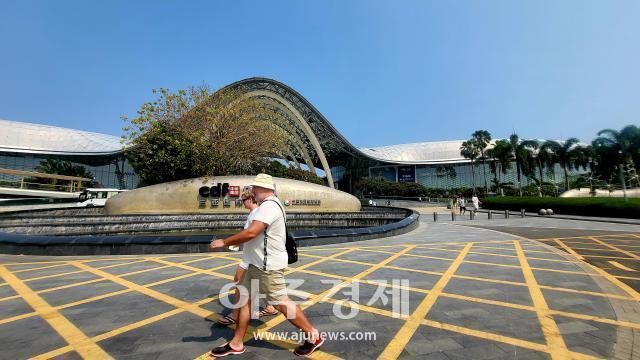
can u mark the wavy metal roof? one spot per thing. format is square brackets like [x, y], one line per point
[45, 139]
[334, 142]
[418, 153]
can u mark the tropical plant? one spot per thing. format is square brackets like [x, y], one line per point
[567, 154]
[62, 167]
[501, 160]
[277, 169]
[622, 146]
[523, 156]
[482, 139]
[470, 150]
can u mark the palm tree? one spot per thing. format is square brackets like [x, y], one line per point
[535, 159]
[60, 167]
[493, 165]
[523, 155]
[545, 157]
[482, 139]
[566, 154]
[502, 158]
[470, 150]
[626, 143]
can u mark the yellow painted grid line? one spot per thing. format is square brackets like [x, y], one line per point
[448, 327]
[486, 301]
[585, 292]
[102, 279]
[280, 342]
[509, 265]
[83, 345]
[325, 294]
[550, 329]
[111, 294]
[626, 288]
[484, 335]
[77, 271]
[626, 246]
[500, 338]
[603, 256]
[38, 268]
[578, 314]
[515, 256]
[581, 237]
[626, 277]
[628, 253]
[403, 336]
[568, 249]
[395, 246]
[620, 266]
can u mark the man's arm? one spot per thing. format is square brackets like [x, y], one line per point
[256, 228]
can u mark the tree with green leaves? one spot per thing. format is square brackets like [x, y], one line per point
[482, 139]
[62, 167]
[501, 160]
[623, 146]
[536, 156]
[522, 152]
[195, 132]
[470, 150]
[566, 154]
[277, 169]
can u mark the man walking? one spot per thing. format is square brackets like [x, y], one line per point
[267, 258]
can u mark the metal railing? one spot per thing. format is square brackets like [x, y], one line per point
[427, 199]
[21, 184]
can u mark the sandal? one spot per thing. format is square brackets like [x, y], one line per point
[226, 320]
[225, 350]
[264, 313]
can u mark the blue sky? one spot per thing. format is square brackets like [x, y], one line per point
[382, 72]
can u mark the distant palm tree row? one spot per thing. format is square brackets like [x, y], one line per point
[611, 159]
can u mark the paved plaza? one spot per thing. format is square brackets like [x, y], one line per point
[477, 290]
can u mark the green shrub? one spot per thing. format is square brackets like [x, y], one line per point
[382, 187]
[606, 207]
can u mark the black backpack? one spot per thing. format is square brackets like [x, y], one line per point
[290, 243]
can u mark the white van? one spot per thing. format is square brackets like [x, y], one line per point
[96, 197]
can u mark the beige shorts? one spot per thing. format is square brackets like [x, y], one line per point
[270, 283]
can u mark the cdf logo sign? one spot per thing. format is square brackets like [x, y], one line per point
[218, 191]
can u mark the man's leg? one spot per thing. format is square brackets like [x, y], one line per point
[244, 315]
[313, 339]
[294, 314]
[236, 344]
[238, 278]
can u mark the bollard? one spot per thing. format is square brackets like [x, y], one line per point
[521, 212]
[489, 215]
[472, 214]
[435, 216]
[506, 214]
[453, 216]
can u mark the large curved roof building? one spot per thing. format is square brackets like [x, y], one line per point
[44, 139]
[313, 143]
[25, 146]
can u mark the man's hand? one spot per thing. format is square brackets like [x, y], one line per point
[216, 244]
[242, 237]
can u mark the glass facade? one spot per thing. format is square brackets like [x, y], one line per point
[450, 176]
[109, 171]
